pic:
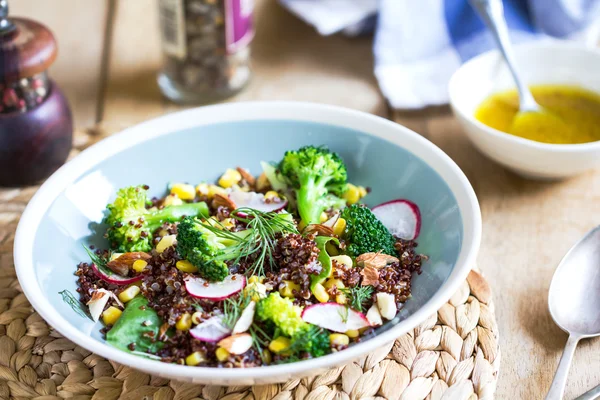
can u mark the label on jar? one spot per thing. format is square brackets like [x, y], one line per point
[239, 29]
[172, 22]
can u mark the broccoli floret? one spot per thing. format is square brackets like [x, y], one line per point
[318, 177]
[364, 233]
[305, 337]
[206, 250]
[130, 223]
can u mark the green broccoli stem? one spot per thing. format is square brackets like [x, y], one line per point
[308, 206]
[175, 213]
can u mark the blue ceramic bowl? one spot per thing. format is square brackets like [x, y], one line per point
[198, 145]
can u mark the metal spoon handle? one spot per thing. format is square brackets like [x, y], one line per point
[560, 378]
[593, 394]
[492, 13]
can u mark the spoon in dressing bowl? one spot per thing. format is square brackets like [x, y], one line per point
[531, 115]
[574, 301]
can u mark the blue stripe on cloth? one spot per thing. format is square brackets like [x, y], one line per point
[468, 33]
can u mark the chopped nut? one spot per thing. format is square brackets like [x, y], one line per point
[262, 183]
[370, 275]
[237, 344]
[220, 200]
[122, 264]
[246, 176]
[319, 229]
[375, 260]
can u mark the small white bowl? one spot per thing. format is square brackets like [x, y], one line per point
[548, 62]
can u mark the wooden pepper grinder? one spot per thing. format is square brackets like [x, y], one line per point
[36, 126]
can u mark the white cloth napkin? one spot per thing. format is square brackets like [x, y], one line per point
[420, 43]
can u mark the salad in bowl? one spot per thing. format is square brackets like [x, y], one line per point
[249, 271]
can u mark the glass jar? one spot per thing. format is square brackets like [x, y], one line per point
[206, 48]
[36, 125]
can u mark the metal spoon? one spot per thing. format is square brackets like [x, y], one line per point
[492, 13]
[531, 115]
[574, 301]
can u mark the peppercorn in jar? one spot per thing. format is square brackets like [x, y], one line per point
[206, 48]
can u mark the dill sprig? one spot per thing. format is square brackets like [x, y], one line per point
[96, 259]
[75, 304]
[358, 296]
[233, 308]
[260, 241]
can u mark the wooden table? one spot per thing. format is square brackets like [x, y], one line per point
[109, 55]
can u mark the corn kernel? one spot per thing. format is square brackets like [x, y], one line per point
[256, 291]
[111, 315]
[346, 260]
[202, 189]
[266, 356]
[340, 298]
[222, 354]
[339, 339]
[229, 178]
[184, 191]
[280, 344]
[186, 266]
[196, 318]
[320, 293]
[323, 217]
[214, 189]
[165, 242]
[362, 191]
[271, 194]
[334, 282]
[172, 200]
[184, 323]
[287, 290]
[353, 333]
[228, 223]
[195, 358]
[114, 256]
[253, 279]
[339, 226]
[331, 249]
[352, 194]
[139, 265]
[129, 293]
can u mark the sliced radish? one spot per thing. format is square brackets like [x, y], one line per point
[237, 344]
[374, 316]
[256, 201]
[212, 330]
[401, 217]
[335, 317]
[215, 291]
[243, 324]
[108, 276]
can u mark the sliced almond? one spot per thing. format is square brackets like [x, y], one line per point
[223, 201]
[331, 221]
[375, 260]
[370, 275]
[246, 175]
[122, 264]
[97, 303]
[262, 183]
[237, 344]
[319, 229]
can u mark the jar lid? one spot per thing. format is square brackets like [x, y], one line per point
[26, 47]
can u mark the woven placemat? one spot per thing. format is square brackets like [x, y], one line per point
[454, 354]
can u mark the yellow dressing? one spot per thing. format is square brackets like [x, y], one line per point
[571, 114]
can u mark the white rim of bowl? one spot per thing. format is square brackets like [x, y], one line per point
[454, 86]
[233, 112]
